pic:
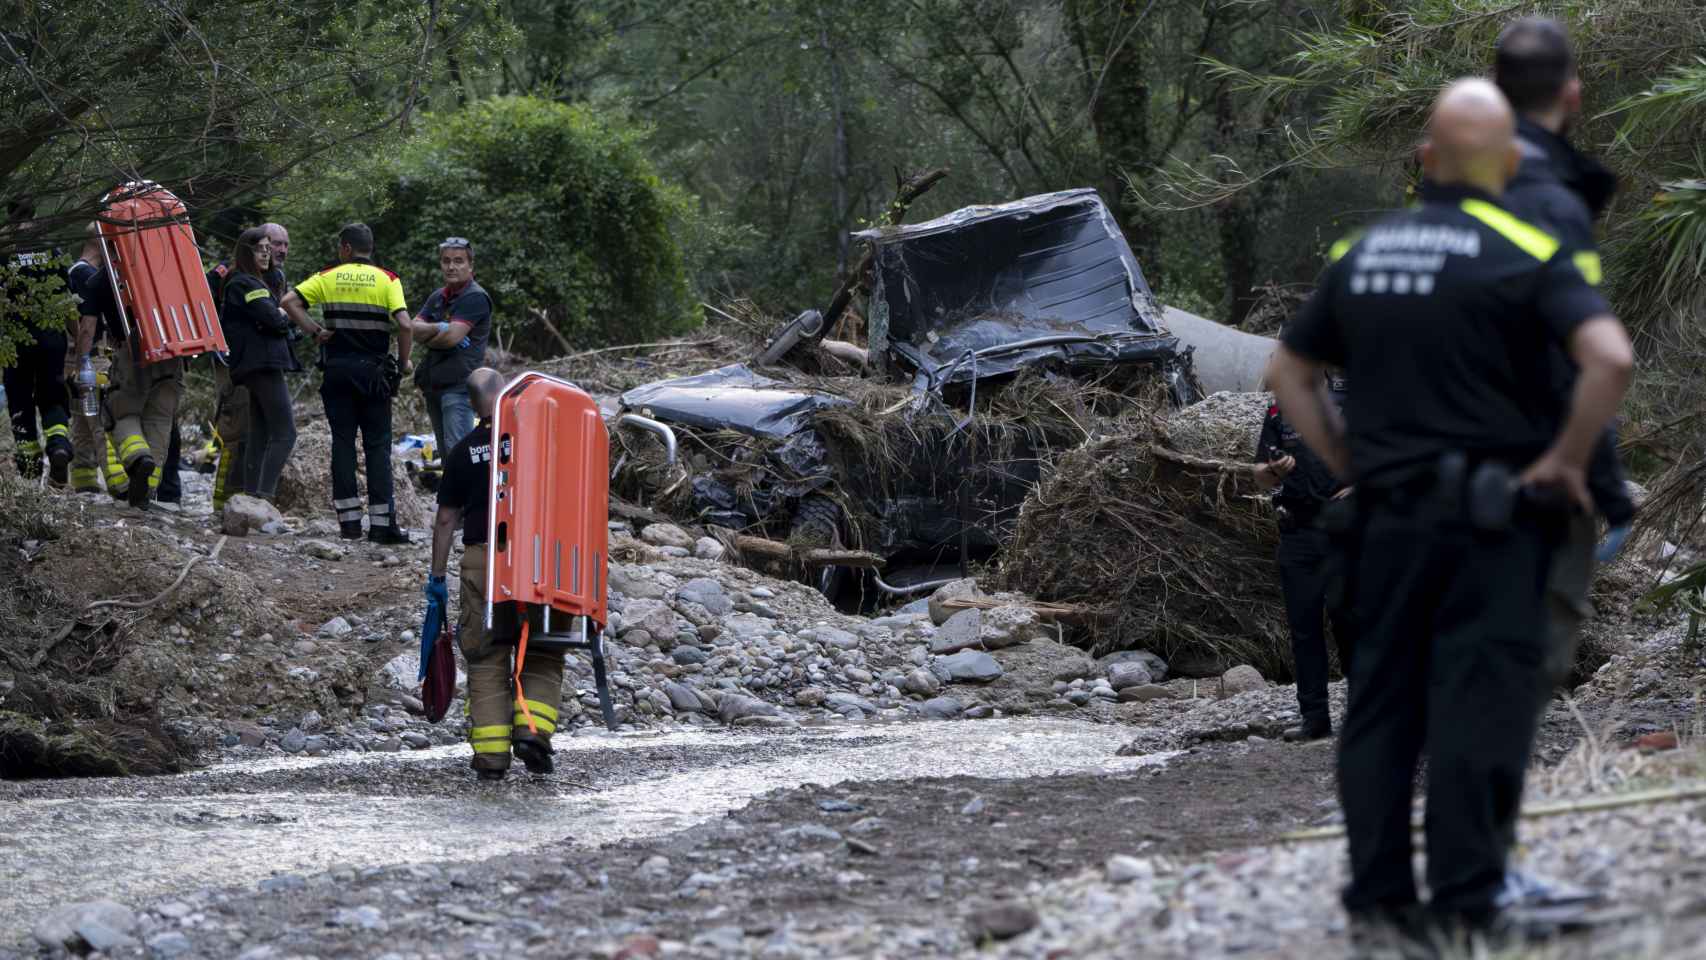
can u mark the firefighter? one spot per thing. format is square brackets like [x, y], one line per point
[361, 304]
[35, 381]
[496, 724]
[1306, 561]
[453, 325]
[92, 449]
[1442, 317]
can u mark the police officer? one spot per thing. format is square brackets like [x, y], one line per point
[35, 380]
[361, 304]
[1306, 560]
[495, 726]
[1442, 316]
[1563, 192]
[454, 325]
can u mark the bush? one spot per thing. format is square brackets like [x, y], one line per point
[570, 223]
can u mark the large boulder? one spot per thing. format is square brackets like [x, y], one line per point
[654, 617]
[245, 514]
[970, 666]
[1242, 679]
[965, 589]
[1128, 674]
[667, 535]
[1010, 626]
[962, 631]
[1156, 666]
[706, 593]
[80, 927]
[734, 706]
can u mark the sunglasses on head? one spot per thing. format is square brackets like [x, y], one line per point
[460, 243]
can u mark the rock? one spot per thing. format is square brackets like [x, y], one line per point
[1079, 698]
[1156, 666]
[667, 535]
[958, 590]
[778, 723]
[941, 708]
[103, 938]
[973, 808]
[1126, 869]
[1656, 742]
[311, 722]
[922, 683]
[1143, 693]
[687, 655]
[59, 928]
[837, 638]
[1128, 673]
[654, 617]
[708, 548]
[321, 550]
[416, 741]
[855, 845]
[961, 631]
[294, 742]
[637, 946]
[733, 706]
[838, 805]
[1002, 921]
[707, 593]
[811, 831]
[279, 884]
[335, 627]
[633, 586]
[173, 943]
[1242, 679]
[970, 666]
[363, 917]
[849, 705]
[245, 514]
[248, 734]
[681, 697]
[1010, 626]
[811, 696]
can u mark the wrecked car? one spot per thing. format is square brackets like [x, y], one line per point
[999, 336]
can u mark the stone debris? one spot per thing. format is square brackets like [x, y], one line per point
[245, 515]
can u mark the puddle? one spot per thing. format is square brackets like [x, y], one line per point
[53, 850]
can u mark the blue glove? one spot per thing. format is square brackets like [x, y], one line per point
[1613, 542]
[438, 599]
[437, 591]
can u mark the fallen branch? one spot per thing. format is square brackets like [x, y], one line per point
[47, 648]
[810, 556]
[638, 346]
[906, 192]
[1542, 810]
[1045, 611]
[1201, 463]
[551, 328]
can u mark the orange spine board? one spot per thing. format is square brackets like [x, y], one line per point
[549, 530]
[162, 288]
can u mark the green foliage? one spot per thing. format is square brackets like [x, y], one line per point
[571, 225]
[32, 300]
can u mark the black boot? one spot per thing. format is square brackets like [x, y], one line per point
[58, 464]
[488, 774]
[138, 473]
[535, 754]
[350, 530]
[394, 536]
[1309, 731]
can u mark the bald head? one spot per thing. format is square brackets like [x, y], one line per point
[1471, 137]
[484, 385]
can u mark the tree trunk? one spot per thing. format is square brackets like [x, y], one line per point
[1236, 218]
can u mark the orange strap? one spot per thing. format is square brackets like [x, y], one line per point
[520, 658]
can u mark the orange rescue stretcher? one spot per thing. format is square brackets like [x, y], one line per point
[158, 282]
[548, 530]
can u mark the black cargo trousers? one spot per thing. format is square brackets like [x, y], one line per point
[1451, 654]
[354, 393]
[35, 386]
[1308, 564]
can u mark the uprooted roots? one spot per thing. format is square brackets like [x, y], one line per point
[1174, 553]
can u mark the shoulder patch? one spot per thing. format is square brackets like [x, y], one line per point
[221, 269]
[388, 274]
[1527, 237]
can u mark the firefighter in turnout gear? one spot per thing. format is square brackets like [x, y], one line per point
[35, 381]
[93, 450]
[362, 306]
[497, 724]
[1443, 316]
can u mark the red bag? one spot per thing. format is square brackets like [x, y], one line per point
[439, 687]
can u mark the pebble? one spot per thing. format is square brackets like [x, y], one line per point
[1002, 921]
[335, 627]
[171, 944]
[416, 741]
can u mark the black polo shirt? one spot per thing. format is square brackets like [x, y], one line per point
[467, 480]
[1443, 317]
[449, 368]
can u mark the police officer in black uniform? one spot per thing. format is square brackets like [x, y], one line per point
[1307, 561]
[1563, 192]
[1442, 317]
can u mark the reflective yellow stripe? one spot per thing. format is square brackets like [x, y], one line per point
[494, 739]
[132, 446]
[543, 725]
[541, 710]
[1587, 262]
[1528, 238]
[30, 448]
[1343, 246]
[86, 477]
[254, 295]
[57, 430]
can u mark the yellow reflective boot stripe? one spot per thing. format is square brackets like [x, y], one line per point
[30, 448]
[132, 446]
[1528, 238]
[541, 710]
[489, 739]
[57, 430]
[86, 477]
[1587, 262]
[154, 478]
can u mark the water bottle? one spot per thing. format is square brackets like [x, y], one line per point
[89, 387]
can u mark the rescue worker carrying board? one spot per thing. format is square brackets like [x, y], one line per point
[362, 304]
[1306, 560]
[1442, 317]
[496, 724]
[89, 440]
